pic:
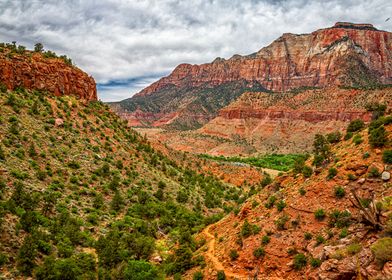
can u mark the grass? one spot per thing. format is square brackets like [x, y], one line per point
[281, 162]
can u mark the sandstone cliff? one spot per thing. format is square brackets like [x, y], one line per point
[346, 54]
[32, 70]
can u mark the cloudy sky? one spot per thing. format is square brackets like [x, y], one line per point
[127, 44]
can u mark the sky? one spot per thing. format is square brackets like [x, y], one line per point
[128, 44]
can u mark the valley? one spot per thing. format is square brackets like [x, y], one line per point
[274, 165]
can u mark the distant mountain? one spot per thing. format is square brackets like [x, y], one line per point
[347, 54]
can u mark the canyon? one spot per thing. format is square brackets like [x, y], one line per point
[274, 100]
[343, 55]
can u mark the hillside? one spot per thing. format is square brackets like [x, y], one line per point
[346, 54]
[329, 218]
[77, 186]
[84, 196]
[258, 123]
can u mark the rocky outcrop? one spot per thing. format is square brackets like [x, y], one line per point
[287, 123]
[322, 58]
[355, 55]
[33, 71]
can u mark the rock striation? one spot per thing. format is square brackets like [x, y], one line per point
[346, 54]
[33, 71]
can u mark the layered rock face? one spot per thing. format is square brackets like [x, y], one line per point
[33, 71]
[288, 122]
[318, 59]
[345, 54]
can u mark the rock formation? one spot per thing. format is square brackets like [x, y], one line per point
[345, 54]
[33, 71]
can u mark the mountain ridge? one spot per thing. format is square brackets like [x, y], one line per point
[356, 55]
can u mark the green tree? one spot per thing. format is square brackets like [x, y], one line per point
[141, 270]
[38, 47]
[26, 259]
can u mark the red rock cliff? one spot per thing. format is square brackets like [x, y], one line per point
[343, 54]
[33, 71]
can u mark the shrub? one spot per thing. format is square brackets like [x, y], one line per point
[308, 236]
[281, 205]
[2, 153]
[334, 137]
[265, 239]
[307, 171]
[365, 155]
[198, 275]
[233, 255]
[374, 173]
[281, 222]
[314, 262]
[302, 191]
[339, 192]
[320, 239]
[300, 261]
[382, 250]
[332, 172]
[3, 259]
[266, 180]
[221, 275]
[355, 125]
[348, 136]
[386, 156]
[339, 219]
[270, 202]
[343, 233]
[26, 256]
[378, 137]
[319, 214]
[357, 139]
[354, 248]
[259, 253]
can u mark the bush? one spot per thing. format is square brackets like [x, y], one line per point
[221, 275]
[354, 248]
[307, 171]
[382, 250]
[281, 222]
[302, 191]
[357, 139]
[281, 205]
[320, 239]
[319, 214]
[355, 125]
[300, 261]
[259, 253]
[332, 172]
[3, 259]
[141, 270]
[339, 219]
[2, 153]
[233, 255]
[334, 137]
[198, 275]
[378, 137]
[314, 262]
[386, 156]
[308, 236]
[339, 192]
[348, 136]
[265, 239]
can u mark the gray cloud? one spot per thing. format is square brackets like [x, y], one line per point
[123, 44]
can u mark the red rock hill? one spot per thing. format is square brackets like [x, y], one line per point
[320, 59]
[34, 71]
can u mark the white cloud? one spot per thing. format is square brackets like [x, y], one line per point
[121, 40]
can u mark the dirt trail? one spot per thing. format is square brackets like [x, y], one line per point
[210, 254]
